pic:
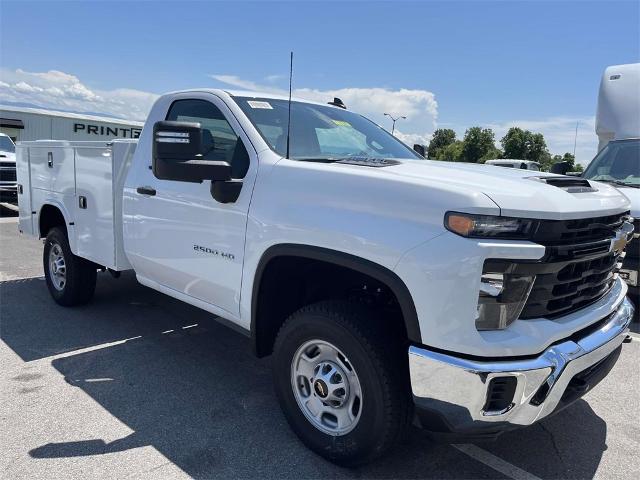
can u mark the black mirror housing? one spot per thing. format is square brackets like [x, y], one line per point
[178, 152]
[560, 167]
[226, 192]
[420, 149]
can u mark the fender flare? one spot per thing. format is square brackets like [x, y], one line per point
[361, 265]
[51, 202]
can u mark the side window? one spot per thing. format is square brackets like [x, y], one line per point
[227, 146]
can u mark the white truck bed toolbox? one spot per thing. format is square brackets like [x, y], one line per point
[85, 181]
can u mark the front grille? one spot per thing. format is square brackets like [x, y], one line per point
[569, 286]
[570, 232]
[7, 175]
[577, 269]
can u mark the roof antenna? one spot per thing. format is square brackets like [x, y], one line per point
[289, 119]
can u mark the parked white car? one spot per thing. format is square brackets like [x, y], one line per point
[514, 163]
[387, 287]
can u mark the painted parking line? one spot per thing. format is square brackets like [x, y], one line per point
[496, 463]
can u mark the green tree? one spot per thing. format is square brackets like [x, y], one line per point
[479, 144]
[441, 138]
[514, 143]
[525, 145]
[451, 153]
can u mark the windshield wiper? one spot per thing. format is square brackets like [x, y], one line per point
[620, 182]
[318, 159]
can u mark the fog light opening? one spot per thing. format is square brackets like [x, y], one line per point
[501, 299]
[500, 395]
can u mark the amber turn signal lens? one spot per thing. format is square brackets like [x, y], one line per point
[460, 224]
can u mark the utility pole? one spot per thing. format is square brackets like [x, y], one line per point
[393, 126]
[575, 140]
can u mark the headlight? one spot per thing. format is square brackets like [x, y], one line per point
[501, 299]
[488, 226]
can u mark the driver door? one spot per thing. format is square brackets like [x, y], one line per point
[187, 241]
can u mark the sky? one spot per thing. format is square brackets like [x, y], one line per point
[451, 64]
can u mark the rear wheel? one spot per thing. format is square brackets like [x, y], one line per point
[341, 381]
[71, 279]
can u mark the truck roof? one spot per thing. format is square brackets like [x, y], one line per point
[252, 94]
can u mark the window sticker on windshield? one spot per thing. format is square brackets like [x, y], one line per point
[342, 123]
[256, 104]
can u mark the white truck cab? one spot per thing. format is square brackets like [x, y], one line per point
[387, 287]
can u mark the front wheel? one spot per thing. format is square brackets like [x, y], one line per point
[71, 279]
[341, 381]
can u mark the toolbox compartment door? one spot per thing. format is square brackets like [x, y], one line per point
[52, 169]
[23, 172]
[94, 205]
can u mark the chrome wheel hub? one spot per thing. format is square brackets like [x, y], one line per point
[326, 387]
[57, 267]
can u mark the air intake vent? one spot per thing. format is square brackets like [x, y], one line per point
[569, 184]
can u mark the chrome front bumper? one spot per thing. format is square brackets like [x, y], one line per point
[450, 393]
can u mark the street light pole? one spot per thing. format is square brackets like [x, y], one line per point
[393, 126]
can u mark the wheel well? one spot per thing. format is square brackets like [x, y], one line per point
[285, 283]
[50, 217]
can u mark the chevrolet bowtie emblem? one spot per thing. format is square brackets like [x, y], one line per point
[618, 243]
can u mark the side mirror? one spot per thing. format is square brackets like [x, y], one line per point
[179, 149]
[560, 167]
[420, 149]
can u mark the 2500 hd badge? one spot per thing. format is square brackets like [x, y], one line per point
[211, 251]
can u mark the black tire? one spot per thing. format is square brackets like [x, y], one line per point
[378, 357]
[80, 274]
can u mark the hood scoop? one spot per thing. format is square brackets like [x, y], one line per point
[369, 162]
[568, 184]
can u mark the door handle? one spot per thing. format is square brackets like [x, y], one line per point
[146, 191]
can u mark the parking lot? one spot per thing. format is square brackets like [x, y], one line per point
[139, 385]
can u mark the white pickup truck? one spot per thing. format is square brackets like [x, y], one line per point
[8, 187]
[389, 289]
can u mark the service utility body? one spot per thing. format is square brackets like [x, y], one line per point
[388, 289]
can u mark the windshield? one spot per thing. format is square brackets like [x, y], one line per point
[618, 162]
[319, 132]
[6, 145]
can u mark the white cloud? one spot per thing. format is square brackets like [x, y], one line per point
[60, 90]
[419, 106]
[274, 78]
[559, 133]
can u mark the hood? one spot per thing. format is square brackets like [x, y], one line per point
[518, 193]
[7, 156]
[633, 194]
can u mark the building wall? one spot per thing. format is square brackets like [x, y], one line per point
[39, 126]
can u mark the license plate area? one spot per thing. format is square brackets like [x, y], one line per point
[629, 276]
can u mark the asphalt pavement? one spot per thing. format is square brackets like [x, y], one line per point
[139, 385]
